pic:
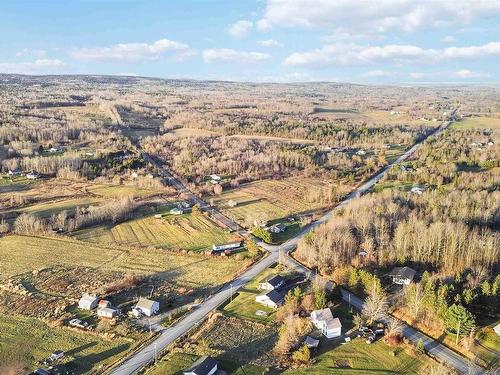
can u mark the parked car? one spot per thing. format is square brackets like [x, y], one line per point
[78, 323]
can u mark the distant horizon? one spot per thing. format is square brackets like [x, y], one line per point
[373, 84]
[386, 42]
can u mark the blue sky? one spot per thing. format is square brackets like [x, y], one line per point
[383, 41]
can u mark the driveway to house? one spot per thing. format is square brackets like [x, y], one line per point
[149, 353]
[434, 348]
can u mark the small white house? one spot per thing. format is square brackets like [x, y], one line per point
[88, 302]
[215, 177]
[226, 246]
[32, 176]
[497, 329]
[272, 283]
[271, 299]
[323, 320]
[205, 365]
[402, 275]
[277, 228]
[147, 306]
[417, 190]
[107, 312]
[361, 152]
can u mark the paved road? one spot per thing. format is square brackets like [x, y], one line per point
[433, 347]
[148, 353]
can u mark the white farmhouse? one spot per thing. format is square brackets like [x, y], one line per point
[88, 302]
[147, 306]
[323, 320]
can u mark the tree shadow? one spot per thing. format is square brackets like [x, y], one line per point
[84, 364]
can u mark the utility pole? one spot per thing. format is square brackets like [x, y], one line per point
[458, 333]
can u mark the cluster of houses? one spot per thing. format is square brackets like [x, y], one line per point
[479, 145]
[17, 172]
[181, 208]
[105, 310]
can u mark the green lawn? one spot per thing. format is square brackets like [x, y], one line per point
[174, 363]
[358, 357]
[477, 123]
[26, 341]
[186, 232]
[489, 345]
[244, 305]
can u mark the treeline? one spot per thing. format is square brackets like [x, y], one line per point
[303, 125]
[114, 211]
[449, 232]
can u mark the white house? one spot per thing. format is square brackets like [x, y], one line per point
[497, 329]
[277, 228]
[88, 302]
[323, 319]
[402, 275]
[147, 306]
[361, 152]
[226, 246]
[32, 176]
[417, 190]
[272, 283]
[205, 365]
[271, 299]
[107, 312]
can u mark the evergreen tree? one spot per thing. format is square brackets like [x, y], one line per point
[458, 320]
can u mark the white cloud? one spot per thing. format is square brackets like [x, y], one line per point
[32, 67]
[230, 55]
[351, 53]
[378, 16]
[269, 43]
[130, 52]
[31, 52]
[465, 73]
[459, 75]
[488, 49]
[449, 39]
[240, 29]
[377, 74]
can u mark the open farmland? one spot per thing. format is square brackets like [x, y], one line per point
[117, 191]
[24, 341]
[187, 232]
[478, 123]
[19, 254]
[270, 199]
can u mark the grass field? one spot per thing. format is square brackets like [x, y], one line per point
[174, 363]
[19, 254]
[117, 191]
[273, 199]
[244, 305]
[25, 341]
[187, 232]
[360, 358]
[478, 123]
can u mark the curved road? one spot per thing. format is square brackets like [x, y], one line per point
[147, 354]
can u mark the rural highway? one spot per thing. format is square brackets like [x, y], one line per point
[147, 354]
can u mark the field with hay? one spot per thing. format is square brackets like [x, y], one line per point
[24, 341]
[270, 199]
[187, 232]
[478, 123]
[19, 254]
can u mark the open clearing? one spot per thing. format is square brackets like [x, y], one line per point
[192, 132]
[244, 305]
[19, 254]
[270, 138]
[271, 199]
[117, 191]
[357, 357]
[478, 123]
[186, 232]
[27, 340]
